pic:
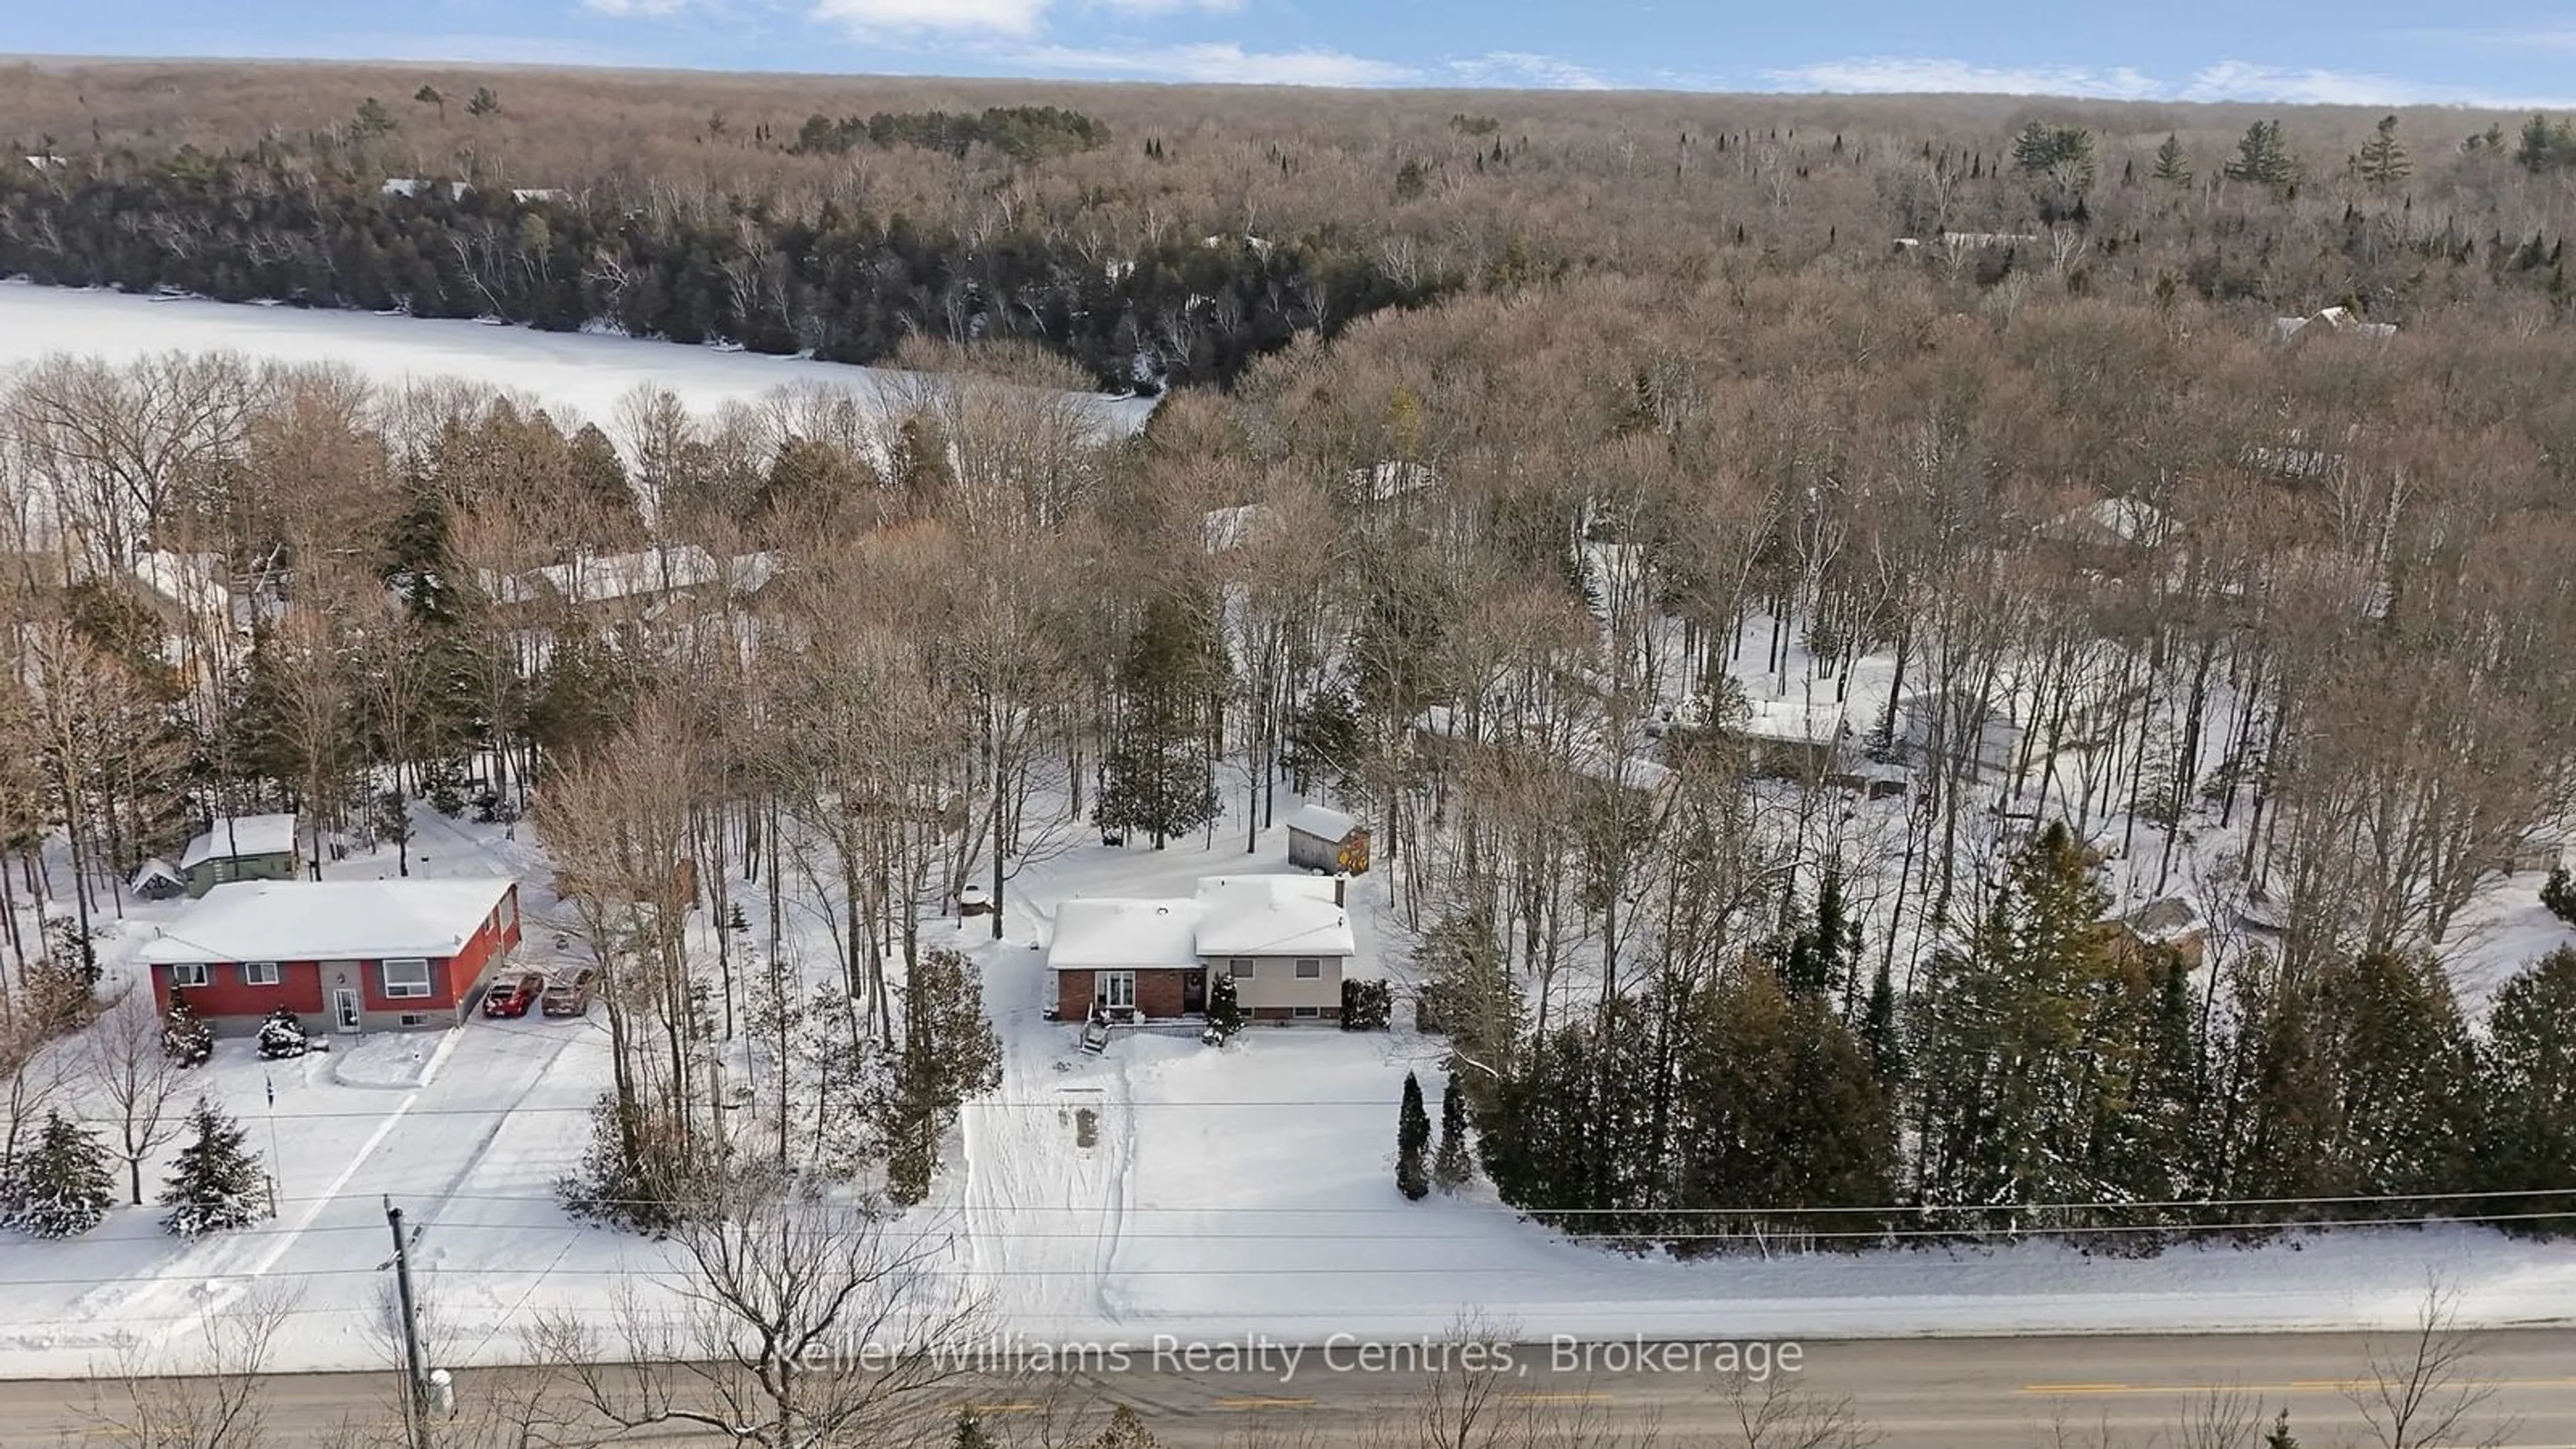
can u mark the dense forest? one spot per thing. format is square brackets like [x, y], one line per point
[1150, 238]
[1563, 447]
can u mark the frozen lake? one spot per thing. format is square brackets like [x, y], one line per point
[568, 372]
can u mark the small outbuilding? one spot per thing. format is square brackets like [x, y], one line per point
[1320, 838]
[241, 847]
[156, 880]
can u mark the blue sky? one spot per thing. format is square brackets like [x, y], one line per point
[2371, 52]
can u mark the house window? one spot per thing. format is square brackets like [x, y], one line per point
[414, 1018]
[407, 978]
[188, 973]
[1309, 969]
[1116, 988]
[1242, 967]
[1309, 1012]
[259, 973]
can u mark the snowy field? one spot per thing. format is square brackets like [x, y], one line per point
[1162, 1188]
[573, 374]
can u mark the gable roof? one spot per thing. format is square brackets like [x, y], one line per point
[1323, 822]
[243, 835]
[594, 578]
[328, 920]
[1273, 915]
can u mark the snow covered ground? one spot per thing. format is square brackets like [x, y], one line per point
[576, 375]
[1162, 1188]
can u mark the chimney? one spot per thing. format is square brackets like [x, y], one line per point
[1341, 889]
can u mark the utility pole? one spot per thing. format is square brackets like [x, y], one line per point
[415, 1384]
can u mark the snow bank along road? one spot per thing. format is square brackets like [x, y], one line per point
[1920, 1393]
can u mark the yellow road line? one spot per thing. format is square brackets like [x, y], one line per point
[1003, 1408]
[1259, 1402]
[2300, 1386]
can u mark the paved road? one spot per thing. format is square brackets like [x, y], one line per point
[1918, 1394]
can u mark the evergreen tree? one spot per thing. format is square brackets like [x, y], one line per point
[1451, 1167]
[1879, 1037]
[950, 1054]
[1224, 1009]
[1160, 772]
[2264, 159]
[1777, 1107]
[1412, 1141]
[970, 1433]
[2528, 1073]
[282, 1036]
[186, 1037]
[1821, 955]
[63, 1186]
[1126, 1431]
[215, 1185]
[2279, 1436]
[1321, 745]
[2173, 167]
[2545, 145]
[2558, 894]
[1473, 991]
[2381, 163]
[2022, 1043]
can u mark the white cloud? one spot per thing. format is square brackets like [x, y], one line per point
[1520, 68]
[1905, 75]
[999, 17]
[634, 7]
[1221, 63]
[1168, 7]
[2227, 80]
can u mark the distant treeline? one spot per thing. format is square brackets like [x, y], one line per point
[843, 286]
[1024, 133]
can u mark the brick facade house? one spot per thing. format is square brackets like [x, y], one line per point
[1284, 940]
[345, 956]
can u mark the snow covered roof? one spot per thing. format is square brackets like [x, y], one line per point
[2336, 319]
[1225, 529]
[1322, 822]
[243, 835]
[2114, 520]
[154, 871]
[1791, 721]
[596, 577]
[1124, 934]
[330, 920]
[191, 581]
[1393, 479]
[1272, 915]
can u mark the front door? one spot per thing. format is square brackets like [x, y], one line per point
[344, 1007]
[1193, 992]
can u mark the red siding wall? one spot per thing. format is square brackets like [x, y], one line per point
[302, 987]
[298, 988]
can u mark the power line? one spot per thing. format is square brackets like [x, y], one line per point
[1521, 1270]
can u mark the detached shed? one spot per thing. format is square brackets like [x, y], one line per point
[243, 847]
[1320, 838]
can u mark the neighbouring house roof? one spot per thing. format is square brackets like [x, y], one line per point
[2162, 920]
[243, 835]
[1125, 934]
[156, 872]
[1323, 822]
[194, 583]
[1226, 529]
[330, 920]
[1272, 915]
[2335, 319]
[596, 577]
[2110, 521]
[1791, 721]
[1391, 479]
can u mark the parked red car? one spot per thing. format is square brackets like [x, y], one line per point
[513, 998]
[570, 995]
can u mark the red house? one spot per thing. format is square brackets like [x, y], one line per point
[346, 956]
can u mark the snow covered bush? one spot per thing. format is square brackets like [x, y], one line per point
[215, 1185]
[1366, 1005]
[282, 1036]
[2558, 893]
[62, 1187]
[187, 1037]
[1224, 1010]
